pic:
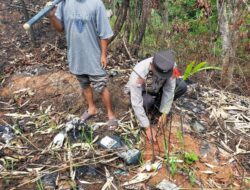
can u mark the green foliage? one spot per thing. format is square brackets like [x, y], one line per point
[142, 162]
[73, 185]
[217, 50]
[184, 9]
[9, 163]
[192, 69]
[112, 21]
[156, 21]
[127, 141]
[87, 135]
[190, 157]
[39, 185]
[173, 165]
[191, 177]
[190, 173]
[180, 138]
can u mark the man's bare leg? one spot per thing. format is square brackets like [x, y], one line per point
[107, 103]
[88, 94]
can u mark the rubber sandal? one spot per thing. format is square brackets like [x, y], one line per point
[85, 116]
[112, 124]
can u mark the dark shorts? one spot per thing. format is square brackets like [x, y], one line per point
[98, 83]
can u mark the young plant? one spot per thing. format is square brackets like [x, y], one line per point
[173, 165]
[191, 177]
[192, 69]
[190, 173]
[9, 163]
[142, 162]
[190, 157]
[73, 185]
[87, 137]
[180, 138]
[39, 185]
[127, 141]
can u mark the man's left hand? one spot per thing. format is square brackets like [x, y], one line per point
[151, 136]
[162, 120]
[104, 61]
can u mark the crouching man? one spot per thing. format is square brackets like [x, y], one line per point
[154, 84]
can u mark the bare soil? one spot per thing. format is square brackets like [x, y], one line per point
[32, 78]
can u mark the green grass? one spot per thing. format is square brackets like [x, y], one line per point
[127, 141]
[88, 138]
[39, 185]
[180, 138]
[173, 165]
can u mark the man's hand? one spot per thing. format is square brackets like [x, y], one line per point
[148, 133]
[53, 11]
[104, 47]
[104, 61]
[162, 120]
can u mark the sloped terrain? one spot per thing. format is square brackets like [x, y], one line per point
[205, 144]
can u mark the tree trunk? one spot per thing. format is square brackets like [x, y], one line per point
[121, 18]
[227, 50]
[146, 11]
[228, 16]
[164, 9]
[26, 16]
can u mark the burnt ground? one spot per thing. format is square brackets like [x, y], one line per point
[38, 95]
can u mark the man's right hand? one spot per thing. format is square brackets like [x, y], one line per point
[52, 12]
[151, 138]
[56, 23]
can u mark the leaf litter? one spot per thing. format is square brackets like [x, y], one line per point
[65, 147]
[36, 108]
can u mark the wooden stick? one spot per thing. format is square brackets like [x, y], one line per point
[152, 144]
[169, 137]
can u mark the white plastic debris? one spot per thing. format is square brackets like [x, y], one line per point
[167, 185]
[58, 140]
[6, 134]
[148, 167]
[140, 177]
[153, 167]
[130, 156]
[109, 142]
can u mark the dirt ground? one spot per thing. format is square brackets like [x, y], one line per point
[34, 78]
[61, 90]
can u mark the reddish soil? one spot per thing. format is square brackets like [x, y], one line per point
[222, 171]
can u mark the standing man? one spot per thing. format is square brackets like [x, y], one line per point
[154, 84]
[87, 30]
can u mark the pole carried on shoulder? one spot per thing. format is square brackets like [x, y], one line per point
[40, 14]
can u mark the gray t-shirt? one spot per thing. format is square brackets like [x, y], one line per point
[85, 23]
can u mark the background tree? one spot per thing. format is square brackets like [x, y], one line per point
[145, 12]
[215, 31]
[121, 18]
[229, 23]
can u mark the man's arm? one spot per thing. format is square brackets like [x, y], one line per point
[168, 95]
[56, 23]
[137, 104]
[104, 47]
